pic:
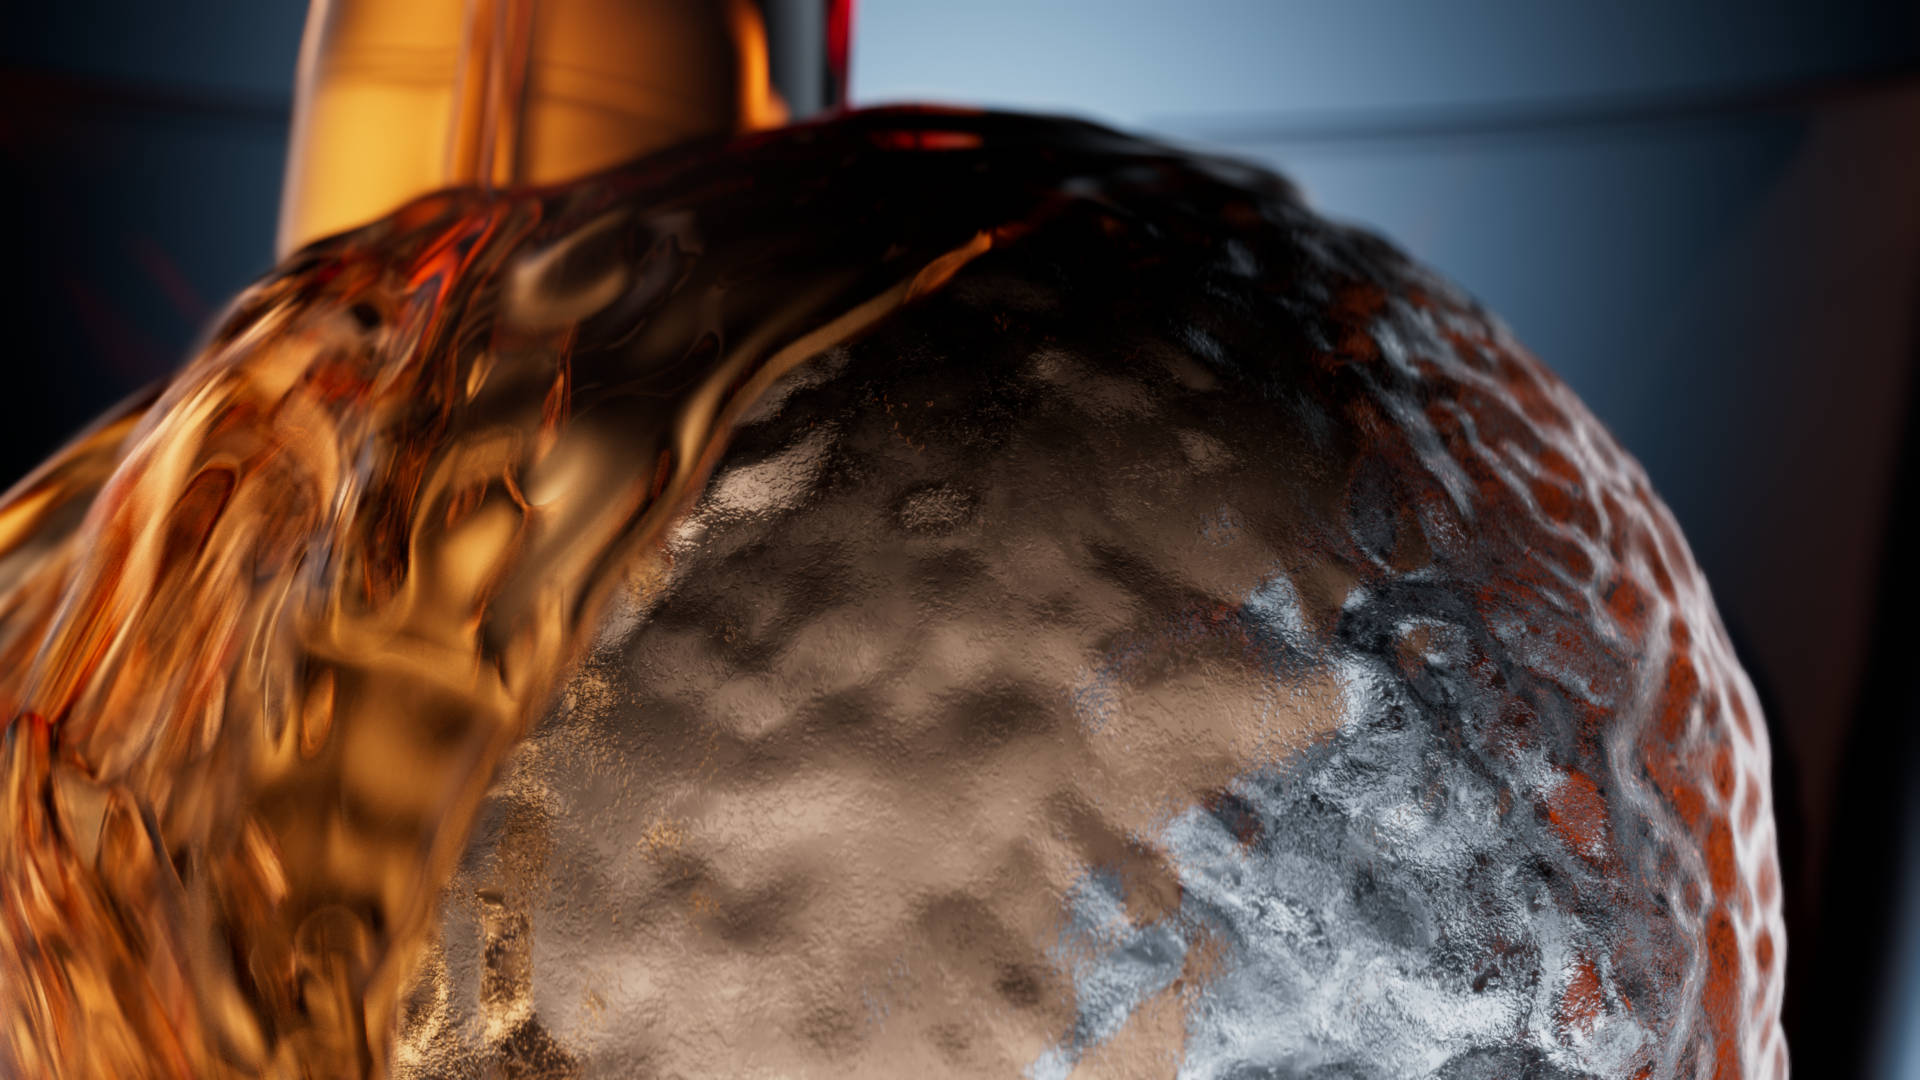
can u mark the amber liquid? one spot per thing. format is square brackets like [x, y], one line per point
[267, 637]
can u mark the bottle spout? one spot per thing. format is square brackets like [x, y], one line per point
[396, 98]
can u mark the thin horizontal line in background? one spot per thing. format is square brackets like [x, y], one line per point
[1526, 117]
[52, 96]
[28, 95]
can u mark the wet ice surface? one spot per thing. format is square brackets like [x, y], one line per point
[1196, 643]
[1365, 930]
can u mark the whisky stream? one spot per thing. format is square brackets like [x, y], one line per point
[266, 636]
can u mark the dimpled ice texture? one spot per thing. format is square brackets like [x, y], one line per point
[1196, 642]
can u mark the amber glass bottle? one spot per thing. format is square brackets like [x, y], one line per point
[642, 590]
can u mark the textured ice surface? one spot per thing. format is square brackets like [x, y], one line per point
[1197, 643]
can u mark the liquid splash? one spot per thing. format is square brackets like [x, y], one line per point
[268, 638]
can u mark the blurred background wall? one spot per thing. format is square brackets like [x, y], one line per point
[1704, 215]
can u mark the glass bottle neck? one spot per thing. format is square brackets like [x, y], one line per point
[396, 98]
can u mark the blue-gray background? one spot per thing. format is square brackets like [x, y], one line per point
[1705, 215]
